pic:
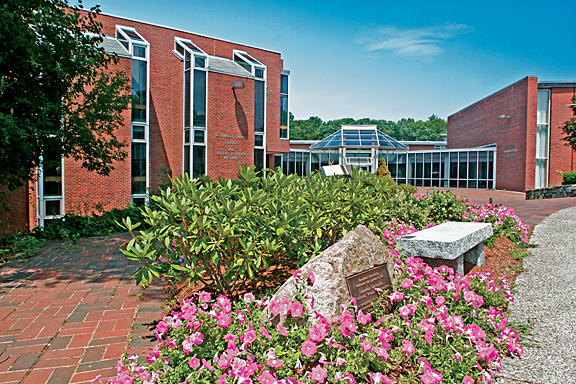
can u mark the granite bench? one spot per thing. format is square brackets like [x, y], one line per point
[449, 244]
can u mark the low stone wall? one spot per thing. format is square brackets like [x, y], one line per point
[552, 193]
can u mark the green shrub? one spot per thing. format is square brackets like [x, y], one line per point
[73, 226]
[224, 231]
[568, 178]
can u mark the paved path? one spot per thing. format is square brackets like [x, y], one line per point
[546, 296]
[67, 315]
[530, 211]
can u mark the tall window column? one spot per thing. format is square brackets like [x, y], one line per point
[140, 148]
[284, 114]
[195, 88]
[542, 132]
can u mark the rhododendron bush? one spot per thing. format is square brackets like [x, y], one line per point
[443, 328]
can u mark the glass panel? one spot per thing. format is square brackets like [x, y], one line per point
[186, 60]
[138, 168]
[472, 184]
[305, 160]
[315, 162]
[419, 165]
[258, 140]
[250, 58]
[462, 184]
[483, 165]
[139, 90]
[402, 166]
[542, 106]
[138, 132]
[259, 106]
[284, 84]
[199, 160]
[427, 166]
[187, 136]
[472, 166]
[244, 64]
[453, 165]
[453, 183]
[541, 165]
[186, 98]
[131, 34]
[463, 168]
[284, 110]
[285, 163]
[542, 141]
[277, 161]
[199, 107]
[299, 163]
[490, 167]
[192, 47]
[445, 165]
[292, 163]
[179, 48]
[52, 176]
[139, 201]
[335, 157]
[52, 207]
[436, 166]
[259, 159]
[259, 73]
[198, 136]
[138, 51]
[199, 62]
[187, 160]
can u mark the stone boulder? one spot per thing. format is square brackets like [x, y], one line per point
[356, 252]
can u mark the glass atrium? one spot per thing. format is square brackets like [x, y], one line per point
[362, 146]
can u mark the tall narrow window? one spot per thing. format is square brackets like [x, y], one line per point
[51, 189]
[195, 81]
[542, 128]
[139, 151]
[284, 114]
[259, 106]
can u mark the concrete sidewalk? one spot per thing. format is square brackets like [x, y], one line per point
[68, 314]
[530, 211]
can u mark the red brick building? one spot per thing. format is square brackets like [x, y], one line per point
[524, 120]
[203, 106]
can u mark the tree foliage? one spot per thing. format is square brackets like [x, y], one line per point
[57, 96]
[433, 129]
[569, 128]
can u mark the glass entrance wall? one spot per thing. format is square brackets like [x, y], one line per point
[469, 168]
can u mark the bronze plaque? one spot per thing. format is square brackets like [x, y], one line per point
[362, 286]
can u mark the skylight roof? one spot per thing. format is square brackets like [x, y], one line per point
[358, 136]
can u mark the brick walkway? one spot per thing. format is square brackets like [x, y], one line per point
[67, 315]
[70, 312]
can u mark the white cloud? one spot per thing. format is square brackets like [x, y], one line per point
[417, 43]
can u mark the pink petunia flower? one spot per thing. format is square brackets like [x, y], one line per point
[282, 330]
[406, 283]
[249, 297]
[363, 318]
[366, 345]
[311, 277]
[223, 320]
[319, 374]
[266, 378]
[309, 348]
[296, 309]
[275, 363]
[265, 333]
[194, 362]
[204, 296]
[318, 332]
[408, 347]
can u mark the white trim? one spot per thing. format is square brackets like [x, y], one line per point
[185, 31]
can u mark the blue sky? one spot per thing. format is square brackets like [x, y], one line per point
[386, 59]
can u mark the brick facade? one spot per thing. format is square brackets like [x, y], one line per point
[230, 118]
[508, 118]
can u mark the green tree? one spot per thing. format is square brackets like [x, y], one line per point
[405, 129]
[57, 96]
[569, 128]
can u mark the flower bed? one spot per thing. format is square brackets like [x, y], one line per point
[444, 328]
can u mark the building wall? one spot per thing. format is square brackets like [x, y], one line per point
[562, 158]
[479, 125]
[17, 217]
[230, 125]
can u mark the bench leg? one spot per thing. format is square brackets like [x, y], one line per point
[475, 255]
[457, 264]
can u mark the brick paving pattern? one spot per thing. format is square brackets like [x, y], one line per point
[71, 311]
